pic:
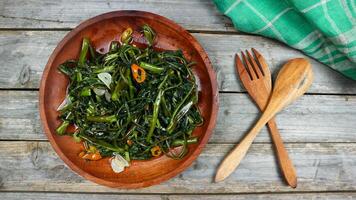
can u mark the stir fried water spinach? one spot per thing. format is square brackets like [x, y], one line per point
[136, 102]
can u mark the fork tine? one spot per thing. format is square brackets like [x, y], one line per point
[254, 65]
[240, 68]
[249, 67]
[262, 62]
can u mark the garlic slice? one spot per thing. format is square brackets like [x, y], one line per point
[105, 78]
[99, 91]
[107, 96]
[65, 102]
[118, 163]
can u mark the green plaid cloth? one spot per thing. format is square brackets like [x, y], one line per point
[322, 29]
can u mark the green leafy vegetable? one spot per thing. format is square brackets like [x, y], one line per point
[136, 102]
[149, 34]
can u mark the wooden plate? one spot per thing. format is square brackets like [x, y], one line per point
[102, 30]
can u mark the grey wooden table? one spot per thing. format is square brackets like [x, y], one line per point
[319, 129]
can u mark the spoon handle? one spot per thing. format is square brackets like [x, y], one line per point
[233, 159]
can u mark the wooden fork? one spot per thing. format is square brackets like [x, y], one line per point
[256, 78]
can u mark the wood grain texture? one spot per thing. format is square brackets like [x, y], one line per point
[86, 196]
[313, 118]
[69, 196]
[25, 53]
[191, 14]
[289, 196]
[33, 166]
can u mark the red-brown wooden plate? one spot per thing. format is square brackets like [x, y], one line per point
[102, 30]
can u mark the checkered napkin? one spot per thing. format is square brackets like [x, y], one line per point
[322, 29]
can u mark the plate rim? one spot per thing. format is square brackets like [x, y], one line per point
[214, 107]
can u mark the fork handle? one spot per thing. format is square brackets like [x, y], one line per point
[285, 163]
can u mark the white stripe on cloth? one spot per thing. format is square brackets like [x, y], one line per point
[305, 10]
[340, 40]
[330, 20]
[326, 47]
[338, 55]
[341, 37]
[308, 40]
[347, 12]
[232, 6]
[353, 4]
[331, 59]
[273, 20]
[274, 30]
[322, 48]
[348, 51]
[343, 65]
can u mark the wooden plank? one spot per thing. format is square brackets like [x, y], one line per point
[76, 196]
[288, 196]
[324, 118]
[222, 49]
[33, 166]
[191, 14]
[67, 196]
[24, 55]
[19, 117]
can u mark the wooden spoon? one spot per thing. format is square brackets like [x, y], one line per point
[293, 81]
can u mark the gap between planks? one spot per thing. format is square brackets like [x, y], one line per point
[352, 192]
[328, 118]
[26, 52]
